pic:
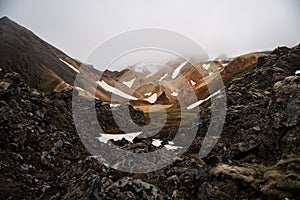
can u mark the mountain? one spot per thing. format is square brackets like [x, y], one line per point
[140, 69]
[43, 157]
[256, 156]
[46, 68]
[178, 76]
[43, 66]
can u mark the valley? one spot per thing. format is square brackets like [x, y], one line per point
[66, 140]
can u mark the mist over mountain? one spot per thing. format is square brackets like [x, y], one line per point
[44, 67]
[232, 27]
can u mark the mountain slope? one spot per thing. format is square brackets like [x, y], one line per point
[34, 59]
[46, 68]
[43, 66]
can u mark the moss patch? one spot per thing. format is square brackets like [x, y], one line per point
[276, 181]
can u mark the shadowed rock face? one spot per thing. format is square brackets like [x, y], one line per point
[43, 66]
[34, 59]
[261, 132]
[163, 99]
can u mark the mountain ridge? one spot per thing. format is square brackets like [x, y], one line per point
[46, 68]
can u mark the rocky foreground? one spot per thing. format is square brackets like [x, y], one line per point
[257, 156]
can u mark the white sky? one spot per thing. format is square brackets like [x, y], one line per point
[219, 26]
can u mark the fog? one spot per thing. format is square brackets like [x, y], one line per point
[230, 27]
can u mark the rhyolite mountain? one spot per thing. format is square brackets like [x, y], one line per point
[42, 66]
[46, 68]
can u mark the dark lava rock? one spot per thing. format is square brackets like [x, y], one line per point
[262, 129]
[256, 157]
[41, 154]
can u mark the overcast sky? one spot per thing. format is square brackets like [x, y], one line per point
[232, 26]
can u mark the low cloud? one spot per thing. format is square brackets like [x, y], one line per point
[221, 27]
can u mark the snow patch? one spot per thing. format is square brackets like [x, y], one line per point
[177, 70]
[114, 105]
[128, 136]
[206, 66]
[156, 142]
[146, 69]
[71, 66]
[224, 64]
[83, 92]
[194, 105]
[193, 82]
[152, 98]
[212, 58]
[115, 90]
[175, 94]
[79, 88]
[161, 78]
[171, 147]
[140, 69]
[148, 94]
[129, 83]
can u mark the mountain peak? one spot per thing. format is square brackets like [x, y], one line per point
[5, 19]
[35, 60]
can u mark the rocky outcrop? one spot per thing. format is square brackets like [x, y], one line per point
[240, 64]
[163, 99]
[261, 132]
[41, 153]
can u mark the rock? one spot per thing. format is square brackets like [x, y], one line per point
[174, 179]
[280, 181]
[45, 159]
[138, 187]
[257, 128]
[256, 156]
[16, 156]
[12, 146]
[213, 160]
[59, 144]
[241, 173]
[207, 191]
[249, 145]
[277, 85]
[4, 85]
[275, 182]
